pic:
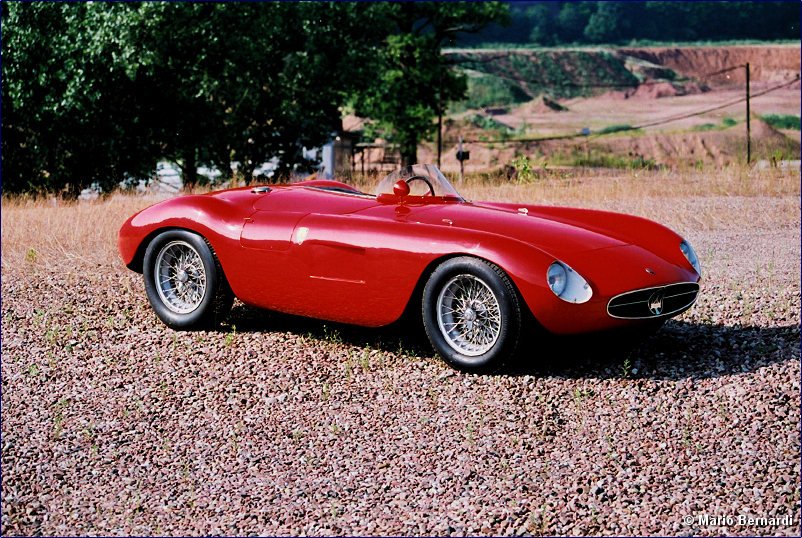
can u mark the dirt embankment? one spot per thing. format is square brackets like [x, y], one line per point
[769, 64]
[712, 147]
[717, 147]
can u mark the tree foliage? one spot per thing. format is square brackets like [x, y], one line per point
[70, 111]
[98, 93]
[619, 22]
[413, 80]
[247, 82]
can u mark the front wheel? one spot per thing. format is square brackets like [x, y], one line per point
[471, 314]
[184, 281]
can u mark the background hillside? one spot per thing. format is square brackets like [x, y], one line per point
[624, 107]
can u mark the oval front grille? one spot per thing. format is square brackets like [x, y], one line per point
[653, 302]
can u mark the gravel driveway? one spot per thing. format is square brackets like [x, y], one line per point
[114, 424]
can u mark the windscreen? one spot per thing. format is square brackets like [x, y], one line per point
[423, 180]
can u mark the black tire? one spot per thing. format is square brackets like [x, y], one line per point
[492, 320]
[199, 307]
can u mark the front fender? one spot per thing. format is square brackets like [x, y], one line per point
[218, 220]
[420, 245]
[629, 229]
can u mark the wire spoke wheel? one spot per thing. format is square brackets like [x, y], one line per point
[180, 277]
[469, 315]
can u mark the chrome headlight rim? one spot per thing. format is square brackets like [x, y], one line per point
[575, 289]
[690, 255]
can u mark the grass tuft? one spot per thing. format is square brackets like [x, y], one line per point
[783, 121]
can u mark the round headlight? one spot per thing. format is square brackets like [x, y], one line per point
[557, 277]
[567, 284]
[687, 250]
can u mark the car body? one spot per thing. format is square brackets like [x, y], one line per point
[324, 249]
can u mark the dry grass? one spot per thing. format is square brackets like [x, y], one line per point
[637, 184]
[84, 233]
[583, 185]
[70, 233]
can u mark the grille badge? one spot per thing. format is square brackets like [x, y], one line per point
[656, 303]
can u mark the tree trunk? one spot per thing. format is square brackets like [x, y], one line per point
[409, 150]
[247, 169]
[72, 191]
[189, 170]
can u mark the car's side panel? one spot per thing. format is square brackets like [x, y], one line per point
[267, 271]
[361, 270]
[360, 261]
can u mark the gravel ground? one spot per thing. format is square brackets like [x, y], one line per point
[114, 424]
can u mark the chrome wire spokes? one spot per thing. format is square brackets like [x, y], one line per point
[180, 277]
[469, 315]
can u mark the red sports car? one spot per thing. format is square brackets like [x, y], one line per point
[326, 250]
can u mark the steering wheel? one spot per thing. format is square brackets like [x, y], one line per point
[425, 180]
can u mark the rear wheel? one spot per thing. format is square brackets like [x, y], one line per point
[184, 281]
[471, 314]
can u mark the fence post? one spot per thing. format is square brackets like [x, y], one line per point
[748, 122]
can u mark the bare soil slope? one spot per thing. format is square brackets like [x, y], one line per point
[698, 104]
[767, 63]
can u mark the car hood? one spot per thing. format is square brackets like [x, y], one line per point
[556, 238]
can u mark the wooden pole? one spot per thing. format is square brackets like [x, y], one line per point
[440, 116]
[461, 163]
[748, 120]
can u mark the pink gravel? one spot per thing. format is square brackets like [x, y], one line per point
[113, 424]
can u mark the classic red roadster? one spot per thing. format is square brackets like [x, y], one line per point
[324, 249]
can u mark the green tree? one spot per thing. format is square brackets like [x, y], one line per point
[543, 22]
[572, 19]
[97, 93]
[413, 79]
[605, 25]
[248, 82]
[70, 112]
